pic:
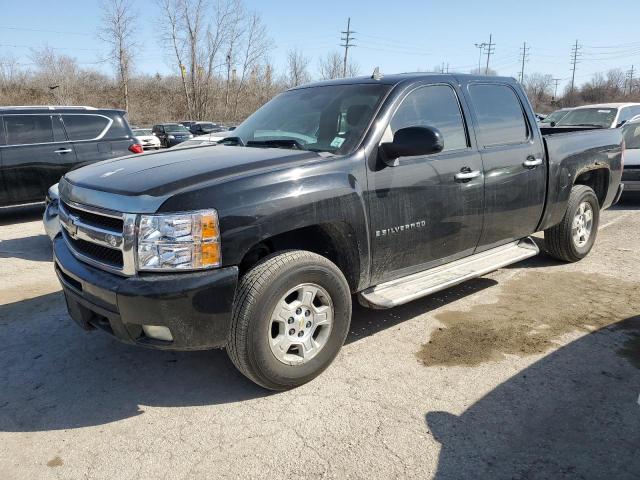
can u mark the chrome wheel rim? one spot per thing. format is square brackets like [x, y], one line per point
[300, 324]
[582, 224]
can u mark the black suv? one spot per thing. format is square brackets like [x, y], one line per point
[38, 145]
[203, 128]
[171, 134]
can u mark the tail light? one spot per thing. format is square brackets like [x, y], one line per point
[136, 148]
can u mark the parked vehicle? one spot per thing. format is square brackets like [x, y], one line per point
[390, 188]
[50, 218]
[40, 144]
[540, 117]
[605, 115]
[203, 128]
[553, 118]
[171, 134]
[146, 138]
[631, 173]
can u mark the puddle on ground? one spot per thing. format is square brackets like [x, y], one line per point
[531, 312]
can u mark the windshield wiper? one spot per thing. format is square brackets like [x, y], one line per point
[279, 143]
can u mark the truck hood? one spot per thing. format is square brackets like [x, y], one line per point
[161, 174]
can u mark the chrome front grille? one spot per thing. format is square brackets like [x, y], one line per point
[102, 238]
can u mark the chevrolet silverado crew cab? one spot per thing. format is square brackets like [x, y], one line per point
[389, 188]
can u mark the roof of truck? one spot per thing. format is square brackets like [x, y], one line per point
[397, 78]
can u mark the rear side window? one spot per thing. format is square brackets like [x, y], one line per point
[84, 127]
[433, 106]
[501, 120]
[28, 129]
[119, 128]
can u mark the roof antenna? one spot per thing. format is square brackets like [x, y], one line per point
[376, 74]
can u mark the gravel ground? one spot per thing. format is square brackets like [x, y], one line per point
[529, 372]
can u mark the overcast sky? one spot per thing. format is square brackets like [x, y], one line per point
[397, 36]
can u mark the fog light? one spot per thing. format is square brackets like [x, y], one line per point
[157, 333]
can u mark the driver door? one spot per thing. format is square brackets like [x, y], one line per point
[422, 213]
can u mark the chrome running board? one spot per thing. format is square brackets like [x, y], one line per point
[405, 289]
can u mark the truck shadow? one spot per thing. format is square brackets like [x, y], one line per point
[55, 376]
[572, 414]
[35, 247]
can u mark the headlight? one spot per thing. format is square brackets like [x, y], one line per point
[171, 137]
[179, 241]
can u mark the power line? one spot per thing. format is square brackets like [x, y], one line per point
[630, 78]
[489, 50]
[45, 31]
[480, 46]
[575, 53]
[525, 57]
[555, 90]
[347, 39]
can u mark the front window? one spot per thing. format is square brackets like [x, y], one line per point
[328, 118]
[175, 128]
[631, 133]
[589, 117]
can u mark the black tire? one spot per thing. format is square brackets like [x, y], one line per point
[559, 240]
[258, 292]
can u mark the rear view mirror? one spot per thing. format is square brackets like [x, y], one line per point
[411, 142]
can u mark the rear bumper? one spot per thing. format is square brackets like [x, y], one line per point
[196, 307]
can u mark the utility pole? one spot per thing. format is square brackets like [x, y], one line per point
[347, 38]
[480, 46]
[555, 91]
[525, 57]
[630, 74]
[490, 50]
[575, 53]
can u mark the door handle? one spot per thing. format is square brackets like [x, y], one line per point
[466, 174]
[62, 151]
[532, 162]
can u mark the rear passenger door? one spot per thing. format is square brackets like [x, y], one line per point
[35, 148]
[515, 169]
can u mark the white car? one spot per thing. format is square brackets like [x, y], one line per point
[147, 139]
[603, 115]
[631, 172]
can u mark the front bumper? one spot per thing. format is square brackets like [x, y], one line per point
[196, 307]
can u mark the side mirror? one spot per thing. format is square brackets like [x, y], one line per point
[411, 142]
[552, 124]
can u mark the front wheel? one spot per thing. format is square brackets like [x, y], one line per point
[572, 239]
[291, 316]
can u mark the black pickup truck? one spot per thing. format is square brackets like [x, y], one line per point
[388, 188]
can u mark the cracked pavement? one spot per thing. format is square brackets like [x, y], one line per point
[77, 404]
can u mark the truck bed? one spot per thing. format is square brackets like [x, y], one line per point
[572, 152]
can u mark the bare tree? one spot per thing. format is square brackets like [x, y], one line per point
[331, 66]
[118, 32]
[58, 75]
[255, 48]
[297, 68]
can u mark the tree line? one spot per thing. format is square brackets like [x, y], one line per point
[219, 52]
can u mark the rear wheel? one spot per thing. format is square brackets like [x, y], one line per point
[572, 239]
[290, 319]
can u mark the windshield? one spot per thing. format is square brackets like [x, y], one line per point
[140, 132]
[590, 117]
[175, 128]
[631, 132]
[555, 116]
[207, 126]
[328, 118]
